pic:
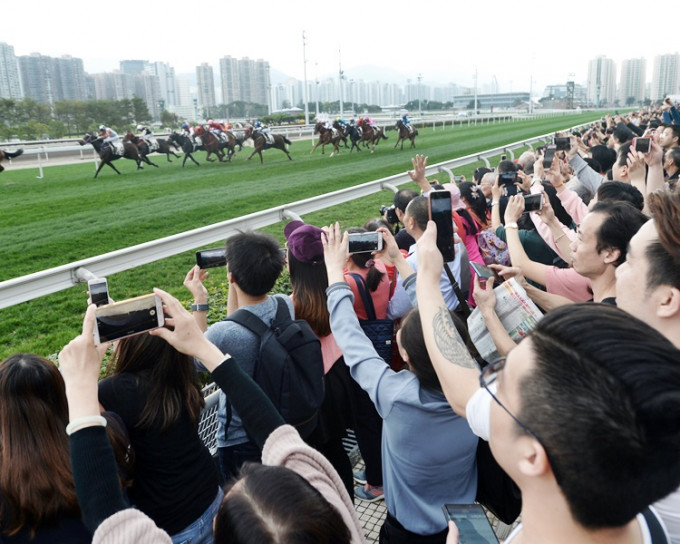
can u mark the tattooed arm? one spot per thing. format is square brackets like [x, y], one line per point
[455, 367]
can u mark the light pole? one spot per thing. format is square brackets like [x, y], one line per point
[341, 77]
[304, 90]
[420, 77]
[316, 88]
[351, 94]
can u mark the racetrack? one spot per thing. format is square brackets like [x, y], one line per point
[68, 216]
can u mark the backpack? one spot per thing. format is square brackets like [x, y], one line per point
[495, 489]
[289, 367]
[379, 331]
[492, 248]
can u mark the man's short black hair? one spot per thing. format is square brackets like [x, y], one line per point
[663, 254]
[403, 197]
[621, 223]
[623, 134]
[605, 155]
[675, 129]
[622, 154]
[674, 154]
[603, 398]
[255, 261]
[618, 190]
[419, 209]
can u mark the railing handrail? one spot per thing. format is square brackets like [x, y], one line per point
[62, 277]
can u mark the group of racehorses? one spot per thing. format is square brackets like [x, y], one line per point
[224, 143]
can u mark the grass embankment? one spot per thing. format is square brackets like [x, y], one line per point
[68, 216]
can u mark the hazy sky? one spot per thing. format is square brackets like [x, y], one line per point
[444, 40]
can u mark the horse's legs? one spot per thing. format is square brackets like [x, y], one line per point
[146, 159]
[193, 160]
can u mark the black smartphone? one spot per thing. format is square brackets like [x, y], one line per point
[504, 157]
[643, 145]
[485, 273]
[99, 291]
[365, 242]
[549, 156]
[562, 144]
[533, 203]
[473, 525]
[440, 212]
[210, 258]
[507, 178]
[128, 318]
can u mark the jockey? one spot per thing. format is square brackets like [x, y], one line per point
[341, 121]
[145, 134]
[109, 135]
[328, 125]
[368, 121]
[405, 120]
[259, 127]
[188, 131]
[215, 126]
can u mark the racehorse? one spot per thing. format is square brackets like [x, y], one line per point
[164, 146]
[142, 147]
[106, 154]
[260, 142]
[371, 136]
[405, 134]
[185, 144]
[342, 130]
[354, 134]
[210, 143]
[229, 142]
[326, 137]
[8, 155]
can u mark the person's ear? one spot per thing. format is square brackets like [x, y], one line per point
[669, 302]
[534, 460]
[611, 255]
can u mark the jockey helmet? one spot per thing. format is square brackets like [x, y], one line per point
[139, 127]
[211, 122]
[102, 127]
[184, 125]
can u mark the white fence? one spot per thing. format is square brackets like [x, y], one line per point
[56, 279]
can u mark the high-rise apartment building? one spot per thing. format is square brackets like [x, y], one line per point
[205, 82]
[167, 82]
[632, 82]
[48, 79]
[229, 79]
[601, 81]
[666, 76]
[245, 79]
[10, 80]
[133, 67]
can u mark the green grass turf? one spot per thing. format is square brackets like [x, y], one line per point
[68, 216]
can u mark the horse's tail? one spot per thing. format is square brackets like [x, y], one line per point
[17, 153]
[288, 142]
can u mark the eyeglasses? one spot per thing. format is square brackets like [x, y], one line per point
[489, 376]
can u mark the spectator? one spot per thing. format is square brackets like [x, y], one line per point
[36, 483]
[671, 165]
[526, 162]
[401, 200]
[423, 439]
[624, 385]
[486, 184]
[254, 263]
[669, 137]
[155, 391]
[316, 508]
[308, 281]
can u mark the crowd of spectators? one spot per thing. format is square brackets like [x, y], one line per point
[583, 414]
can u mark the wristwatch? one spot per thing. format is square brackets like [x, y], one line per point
[200, 307]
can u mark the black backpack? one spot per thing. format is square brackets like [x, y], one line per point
[378, 331]
[289, 367]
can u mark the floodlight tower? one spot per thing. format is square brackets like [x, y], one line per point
[304, 90]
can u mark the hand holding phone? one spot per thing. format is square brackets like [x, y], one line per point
[533, 203]
[210, 258]
[472, 523]
[365, 242]
[128, 318]
[99, 291]
[643, 145]
[439, 203]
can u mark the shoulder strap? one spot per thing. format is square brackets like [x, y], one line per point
[282, 311]
[655, 529]
[456, 289]
[365, 297]
[248, 320]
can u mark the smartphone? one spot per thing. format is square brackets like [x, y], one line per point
[507, 178]
[642, 145]
[128, 318]
[365, 242]
[562, 144]
[99, 291]
[210, 258]
[473, 525]
[549, 156]
[440, 212]
[485, 273]
[533, 203]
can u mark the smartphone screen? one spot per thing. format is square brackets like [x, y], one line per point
[549, 156]
[99, 291]
[128, 318]
[642, 145]
[533, 203]
[365, 242]
[562, 144]
[210, 258]
[440, 213]
[473, 525]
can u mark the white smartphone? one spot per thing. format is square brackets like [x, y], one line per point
[128, 318]
[99, 291]
[365, 242]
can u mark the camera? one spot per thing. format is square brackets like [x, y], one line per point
[365, 242]
[128, 318]
[210, 258]
[507, 178]
[562, 144]
[643, 145]
[390, 214]
[533, 203]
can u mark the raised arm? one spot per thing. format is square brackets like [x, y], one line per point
[486, 302]
[194, 283]
[418, 173]
[531, 269]
[455, 367]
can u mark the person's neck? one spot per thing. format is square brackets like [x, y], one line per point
[248, 300]
[546, 518]
[671, 171]
[416, 234]
[604, 285]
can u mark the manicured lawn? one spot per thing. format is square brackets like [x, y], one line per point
[68, 216]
